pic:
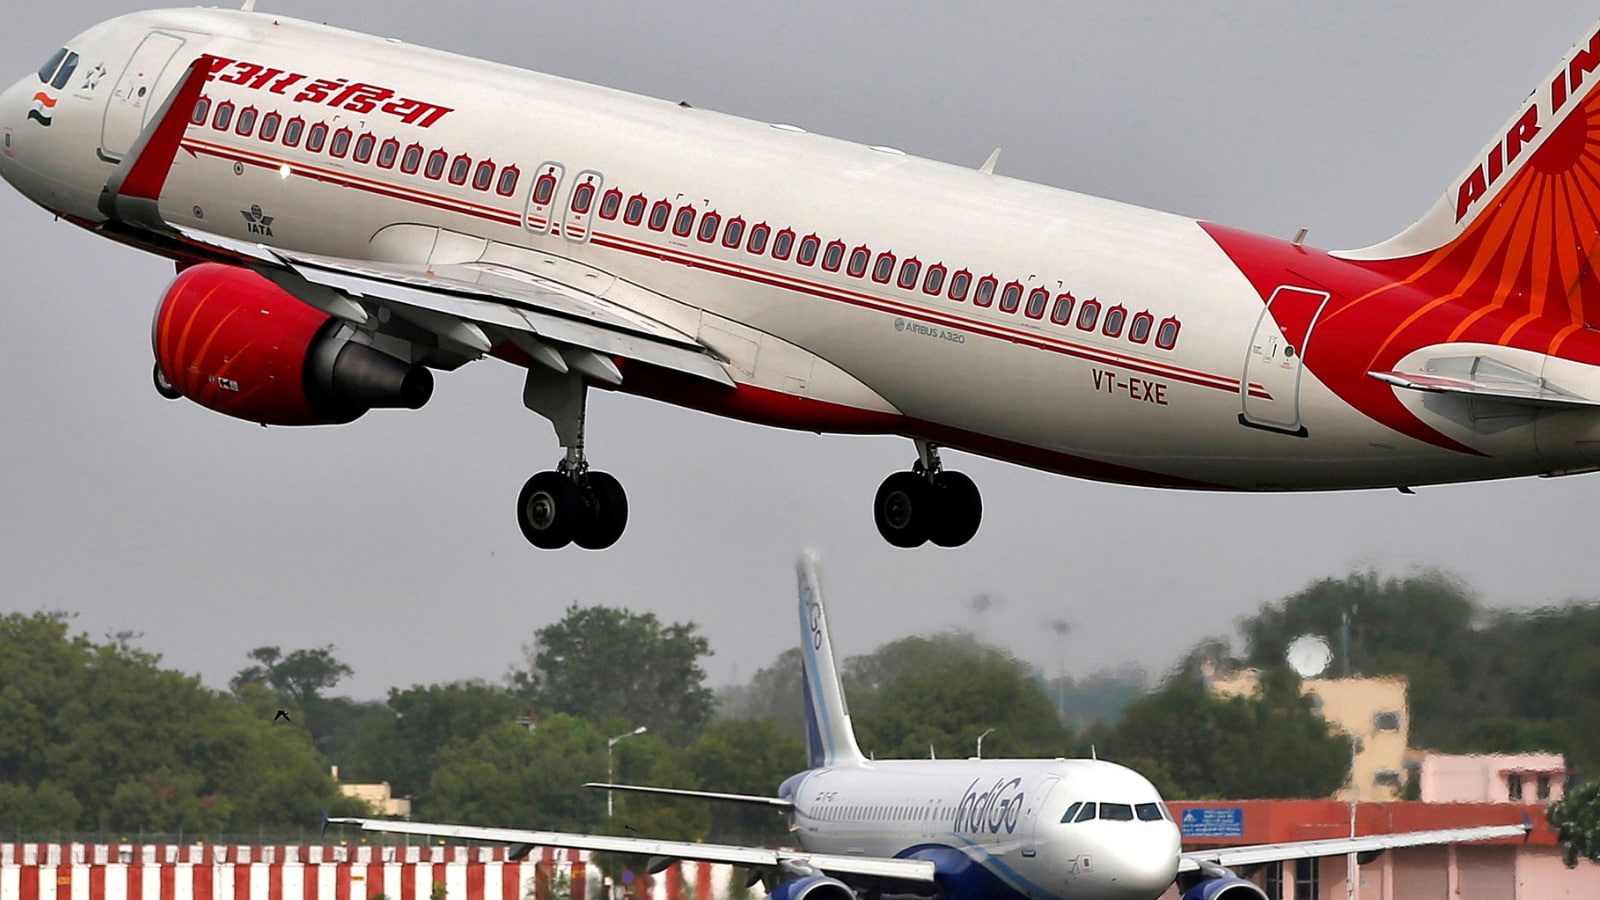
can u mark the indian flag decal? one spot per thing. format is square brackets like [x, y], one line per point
[41, 109]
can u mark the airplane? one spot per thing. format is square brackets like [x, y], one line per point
[966, 829]
[349, 214]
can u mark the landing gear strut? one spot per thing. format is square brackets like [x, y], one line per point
[927, 504]
[572, 504]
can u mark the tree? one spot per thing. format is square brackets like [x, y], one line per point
[775, 692]
[512, 777]
[298, 682]
[601, 663]
[748, 756]
[1576, 819]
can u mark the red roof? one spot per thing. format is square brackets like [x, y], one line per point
[1277, 821]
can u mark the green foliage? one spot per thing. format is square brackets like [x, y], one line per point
[1194, 745]
[601, 663]
[750, 756]
[98, 736]
[297, 681]
[774, 693]
[1576, 820]
[510, 776]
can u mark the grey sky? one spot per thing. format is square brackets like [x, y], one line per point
[394, 537]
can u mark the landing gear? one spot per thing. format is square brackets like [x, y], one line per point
[927, 504]
[164, 385]
[572, 504]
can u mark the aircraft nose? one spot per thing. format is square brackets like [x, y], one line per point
[1145, 863]
[14, 102]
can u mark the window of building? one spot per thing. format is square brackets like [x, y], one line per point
[1061, 313]
[247, 122]
[270, 123]
[710, 224]
[202, 110]
[883, 269]
[482, 176]
[1139, 331]
[660, 215]
[412, 160]
[833, 257]
[733, 235]
[1038, 302]
[1542, 787]
[610, 204]
[292, 130]
[783, 244]
[1386, 721]
[933, 282]
[1011, 298]
[1514, 786]
[910, 271]
[582, 198]
[223, 117]
[388, 152]
[365, 146]
[341, 143]
[984, 295]
[460, 168]
[1116, 317]
[810, 246]
[1306, 882]
[634, 214]
[960, 283]
[860, 258]
[508, 181]
[1088, 315]
[317, 137]
[1167, 334]
[1388, 778]
[758, 238]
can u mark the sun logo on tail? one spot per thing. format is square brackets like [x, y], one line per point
[42, 109]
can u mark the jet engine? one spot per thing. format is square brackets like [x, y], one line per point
[813, 887]
[1227, 888]
[234, 342]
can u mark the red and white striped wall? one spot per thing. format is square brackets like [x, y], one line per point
[213, 872]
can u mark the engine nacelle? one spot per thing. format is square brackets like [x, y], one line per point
[813, 887]
[1229, 888]
[234, 342]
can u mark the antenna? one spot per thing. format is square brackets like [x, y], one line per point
[249, 6]
[988, 165]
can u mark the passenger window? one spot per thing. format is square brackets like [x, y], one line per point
[1085, 814]
[1116, 812]
[635, 211]
[1167, 334]
[247, 122]
[1038, 300]
[783, 244]
[1071, 811]
[341, 143]
[610, 204]
[582, 197]
[883, 269]
[1116, 317]
[758, 238]
[459, 168]
[959, 283]
[684, 223]
[292, 132]
[909, 271]
[387, 153]
[317, 138]
[544, 189]
[1011, 298]
[269, 126]
[60, 81]
[224, 116]
[733, 235]
[709, 226]
[436, 163]
[934, 282]
[482, 177]
[508, 181]
[1061, 313]
[833, 257]
[660, 214]
[1139, 331]
[985, 293]
[364, 147]
[412, 161]
[1148, 812]
[810, 245]
[860, 258]
[202, 110]
[1088, 314]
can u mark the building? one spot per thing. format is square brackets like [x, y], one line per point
[1492, 777]
[378, 797]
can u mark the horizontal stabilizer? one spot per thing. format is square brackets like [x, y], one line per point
[774, 802]
[1487, 379]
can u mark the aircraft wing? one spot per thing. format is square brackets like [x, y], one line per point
[469, 308]
[1263, 853]
[1485, 379]
[918, 871]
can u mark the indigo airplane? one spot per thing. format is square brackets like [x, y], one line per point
[349, 214]
[971, 829]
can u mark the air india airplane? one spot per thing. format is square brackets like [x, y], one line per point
[969, 829]
[348, 214]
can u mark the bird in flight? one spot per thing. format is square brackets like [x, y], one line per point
[282, 715]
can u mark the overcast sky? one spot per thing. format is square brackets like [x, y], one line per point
[394, 537]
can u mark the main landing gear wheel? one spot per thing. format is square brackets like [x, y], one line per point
[164, 385]
[555, 509]
[927, 504]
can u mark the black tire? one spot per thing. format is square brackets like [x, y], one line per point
[904, 509]
[551, 510]
[164, 385]
[608, 512]
[958, 509]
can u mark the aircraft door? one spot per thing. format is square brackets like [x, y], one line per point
[1030, 828]
[1276, 356]
[133, 100]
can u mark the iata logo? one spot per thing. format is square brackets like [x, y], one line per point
[259, 223]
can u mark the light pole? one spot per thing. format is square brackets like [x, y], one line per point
[610, 778]
[985, 734]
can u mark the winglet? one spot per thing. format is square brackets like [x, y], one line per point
[830, 741]
[325, 822]
[130, 194]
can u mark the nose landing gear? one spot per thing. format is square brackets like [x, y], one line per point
[928, 504]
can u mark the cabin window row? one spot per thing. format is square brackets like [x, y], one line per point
[340, 143]
[860, 262]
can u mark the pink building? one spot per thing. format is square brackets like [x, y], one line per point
[1493, 778]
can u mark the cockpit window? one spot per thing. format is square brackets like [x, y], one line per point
[1086, 813]
[1116, 812]
[1071, 811]
[67, 68]
[48, 70]
[1148, 812]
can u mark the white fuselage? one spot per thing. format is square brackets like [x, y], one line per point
[883, 354]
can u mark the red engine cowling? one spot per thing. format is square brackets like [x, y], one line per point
[234, 342]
